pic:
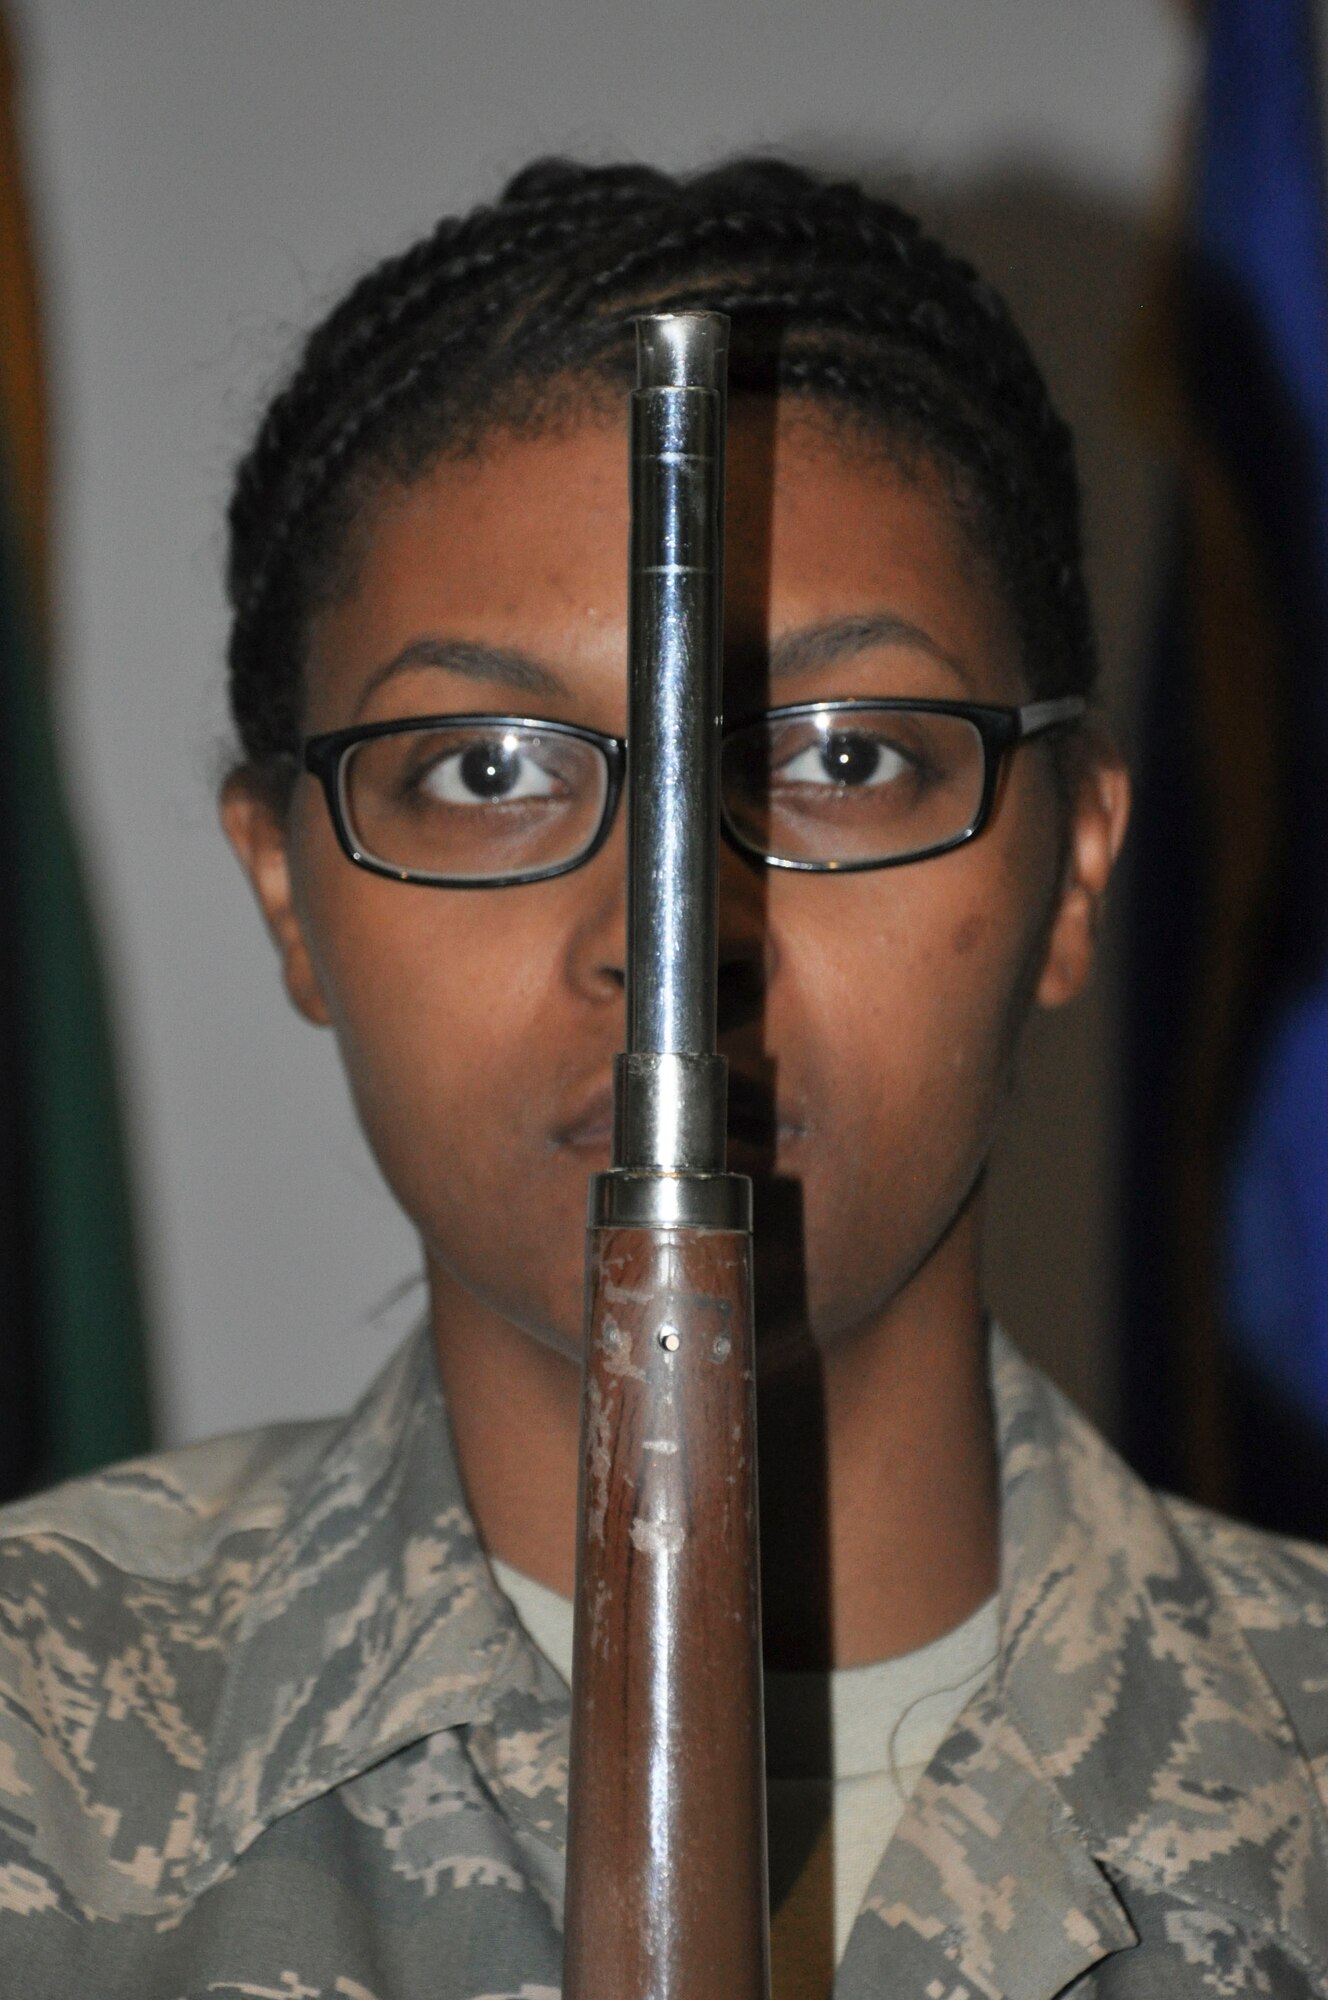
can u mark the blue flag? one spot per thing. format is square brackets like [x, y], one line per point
[1226, 1369]
[1261, 224]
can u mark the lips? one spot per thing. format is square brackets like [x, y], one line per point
[756, 1118]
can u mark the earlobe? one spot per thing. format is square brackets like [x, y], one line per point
[259, 836]
[1097, 830]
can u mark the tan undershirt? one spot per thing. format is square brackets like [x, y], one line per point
[844, 1753]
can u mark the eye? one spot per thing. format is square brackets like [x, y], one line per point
[497, 769]
[851, 758]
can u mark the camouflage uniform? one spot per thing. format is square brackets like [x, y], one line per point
[268, 1728]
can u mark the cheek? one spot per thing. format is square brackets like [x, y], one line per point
[432, 1002]
[908, 979]
[451, 1015]
[902, 995]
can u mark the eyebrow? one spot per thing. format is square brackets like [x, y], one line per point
[801, 651]
[843, 638]
[502, 666]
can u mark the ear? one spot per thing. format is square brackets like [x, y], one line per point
[259, 834]
[1099, 816]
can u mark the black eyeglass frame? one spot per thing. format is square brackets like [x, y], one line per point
[1000, 729]
[325, 757]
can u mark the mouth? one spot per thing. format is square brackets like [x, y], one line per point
[757, 1121]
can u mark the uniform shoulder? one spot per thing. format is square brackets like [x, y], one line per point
[164, 1517]
[122, 1596]
[1275, 1591]
[1268, 1581]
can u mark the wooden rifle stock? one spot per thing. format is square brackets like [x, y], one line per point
[666, 1873]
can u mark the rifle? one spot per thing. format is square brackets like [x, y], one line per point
[666, 1868]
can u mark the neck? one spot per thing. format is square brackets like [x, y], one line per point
[879, 1511]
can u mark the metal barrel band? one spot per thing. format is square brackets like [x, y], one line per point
[624, 1200]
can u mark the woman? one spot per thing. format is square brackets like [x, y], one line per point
[284, 1714]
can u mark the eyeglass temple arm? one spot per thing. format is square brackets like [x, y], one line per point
[1036, 716]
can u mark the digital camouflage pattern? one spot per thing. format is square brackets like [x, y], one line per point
[268, 1728]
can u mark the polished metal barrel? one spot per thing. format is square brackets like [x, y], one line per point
[675, 609]
[669, 1086]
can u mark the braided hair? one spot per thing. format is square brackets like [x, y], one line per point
[834, 295]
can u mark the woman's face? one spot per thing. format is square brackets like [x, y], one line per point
[872, 1015]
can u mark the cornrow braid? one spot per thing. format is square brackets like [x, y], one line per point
[834, 295]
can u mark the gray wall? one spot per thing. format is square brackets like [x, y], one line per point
[209, 173]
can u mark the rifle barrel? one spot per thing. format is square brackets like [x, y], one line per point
[666, 1881]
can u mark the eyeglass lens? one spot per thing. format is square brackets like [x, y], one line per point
[474, 803]
[854, 786]
[470, 803]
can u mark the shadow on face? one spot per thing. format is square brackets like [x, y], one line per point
[795, 1580]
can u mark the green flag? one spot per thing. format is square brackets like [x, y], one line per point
[73, 1378]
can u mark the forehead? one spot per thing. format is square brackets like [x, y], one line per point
[522, 545]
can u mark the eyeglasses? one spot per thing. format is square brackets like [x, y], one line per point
[827, 787]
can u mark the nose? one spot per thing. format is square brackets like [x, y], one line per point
[597, 956]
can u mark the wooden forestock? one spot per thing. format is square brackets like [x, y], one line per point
[666, 1871]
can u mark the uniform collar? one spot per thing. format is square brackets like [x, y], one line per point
[373, 1621]
[1128, 1738]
